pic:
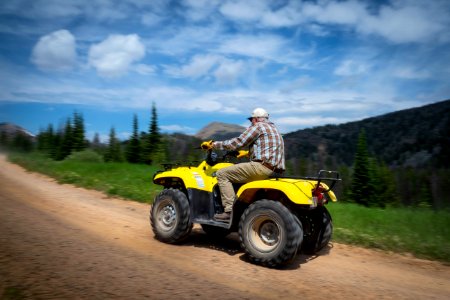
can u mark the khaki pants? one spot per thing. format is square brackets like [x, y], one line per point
[239, 173]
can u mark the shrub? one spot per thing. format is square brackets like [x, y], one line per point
[85, 156]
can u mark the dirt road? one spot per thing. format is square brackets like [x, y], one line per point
[62, 242]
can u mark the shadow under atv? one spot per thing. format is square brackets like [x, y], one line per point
[231, 246]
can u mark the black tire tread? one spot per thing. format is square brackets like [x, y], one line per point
[294, 233]
[316, 242]
[183, 212]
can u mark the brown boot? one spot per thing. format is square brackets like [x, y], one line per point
[223, 216]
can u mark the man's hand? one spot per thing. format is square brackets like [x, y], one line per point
[207, 145]
[242, 153]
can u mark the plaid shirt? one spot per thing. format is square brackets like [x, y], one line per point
[264, 141]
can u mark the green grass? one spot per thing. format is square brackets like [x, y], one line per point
[422, 232]
[13, 293]
[130, 181]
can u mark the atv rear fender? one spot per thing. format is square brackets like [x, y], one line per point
[298, 191]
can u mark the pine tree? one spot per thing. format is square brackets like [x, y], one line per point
[40, 140]
[96, 140]
[159, 154]
[374, 198]
[66, 144]
[96, 145]
[113, 152]
[361, 186]
[155, 136]
[152, 148]
[78, 134]
[45, 141]
[343, 188]
[384, 186]
[22, 142]
[425, 195]
[134, 147]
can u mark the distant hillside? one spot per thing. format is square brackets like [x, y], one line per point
[11, 130]
[219, 131]
[15, 137]
[416, 137]
[183, 148]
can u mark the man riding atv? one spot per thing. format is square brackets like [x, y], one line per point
[266, 154]
[274, 215]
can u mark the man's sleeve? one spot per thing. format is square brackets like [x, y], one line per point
[245, 139]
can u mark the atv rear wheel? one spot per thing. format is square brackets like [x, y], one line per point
[169, 216]
[321, 230]
[269, 233]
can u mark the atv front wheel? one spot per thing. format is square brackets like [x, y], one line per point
[269, 233]
[169, 216]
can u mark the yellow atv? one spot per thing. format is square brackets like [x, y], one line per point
[274, 217]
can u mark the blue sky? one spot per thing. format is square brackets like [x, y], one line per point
[308, 63]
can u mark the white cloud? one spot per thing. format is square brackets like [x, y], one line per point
[53, 10]
[350, 68]
[289, 86]
[42, 9]
[178, 128]
[151, 19]
[114, 56]
[55, 51]
[347, 12]
[243, 10]
[398, 22]
[203, 105]
[286, 16]
[144, 69]
[198, 10]
[402, 24]
[228, 71]
[225, 71]
[200, 65]
[179, 41]
[315, 120]
[261, 46]
[263, 13]
[410, 73]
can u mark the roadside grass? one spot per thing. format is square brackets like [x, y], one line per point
[13, 293]
[422, 232]
[131, 181]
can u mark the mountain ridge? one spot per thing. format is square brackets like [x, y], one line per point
[11, 129]
[219, 131]
[413, 137]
